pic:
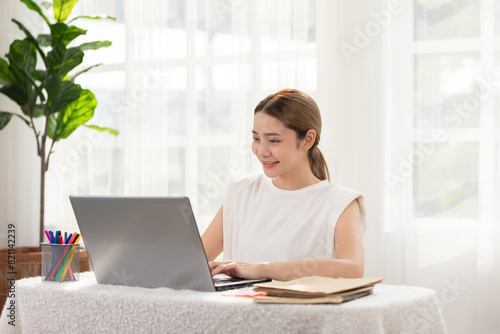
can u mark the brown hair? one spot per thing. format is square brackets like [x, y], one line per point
[299, 112]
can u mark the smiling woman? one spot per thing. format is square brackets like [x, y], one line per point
[277, 148]
[291, 222]
[296, 116]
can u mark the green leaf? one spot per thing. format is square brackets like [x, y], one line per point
[33, 6]
[72, 78]
[6, 75]
[38, 111]
[44, 40]
[46, 5]
[93, 18]
[100, 129]
[40, 75]
[27, 83]
[60, 93]
[28, 123]
[55, 58]
[63, 8]
[61, 60]
[64, 34]
[22, 54]
[28, 108]
[22, 57]
[94, 45]
[30, 38]
[52, 125]
[72, 58]
[30, 82]
[16, 93]
[5, 119]
[75, 114]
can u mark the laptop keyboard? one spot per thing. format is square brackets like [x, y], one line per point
[226, 279]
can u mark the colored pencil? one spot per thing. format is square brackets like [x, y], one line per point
[58, 260]
[60, 268]
[68, 260]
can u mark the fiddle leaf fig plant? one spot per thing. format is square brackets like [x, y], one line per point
[38, 74]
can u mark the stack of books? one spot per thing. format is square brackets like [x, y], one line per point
[315, 290]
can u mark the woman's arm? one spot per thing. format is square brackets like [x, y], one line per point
[349, 258]
[212, 238]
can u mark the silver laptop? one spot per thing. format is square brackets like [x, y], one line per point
[146, 241]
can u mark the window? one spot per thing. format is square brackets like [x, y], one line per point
[455, 111]
[180, 83]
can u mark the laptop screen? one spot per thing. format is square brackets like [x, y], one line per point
[143, 241]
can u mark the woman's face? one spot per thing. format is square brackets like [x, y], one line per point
[277, 148]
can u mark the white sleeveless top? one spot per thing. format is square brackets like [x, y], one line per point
[264, 223]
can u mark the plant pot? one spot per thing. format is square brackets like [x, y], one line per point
[28, 263]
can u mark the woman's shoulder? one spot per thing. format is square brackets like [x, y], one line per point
[342, 196]
[249, 182]
[338, 190]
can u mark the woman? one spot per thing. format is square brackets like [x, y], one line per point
[291, 222]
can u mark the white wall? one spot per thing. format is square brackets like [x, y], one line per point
[19, 163]
[352, 112]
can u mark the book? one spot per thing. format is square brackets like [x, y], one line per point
[315, 290]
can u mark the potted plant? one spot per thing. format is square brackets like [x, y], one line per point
[38, 74]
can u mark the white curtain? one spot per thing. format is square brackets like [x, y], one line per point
[180, 83]
[182, 78]
[183, 88]
[410, 92]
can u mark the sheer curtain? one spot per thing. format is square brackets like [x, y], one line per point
[411, 91]
[184, 92]
[180, 83]
[455, 155]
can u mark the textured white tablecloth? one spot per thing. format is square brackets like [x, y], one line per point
[88, 307]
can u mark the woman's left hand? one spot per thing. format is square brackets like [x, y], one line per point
[237, 269]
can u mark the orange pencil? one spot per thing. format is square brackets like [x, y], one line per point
[69, 260]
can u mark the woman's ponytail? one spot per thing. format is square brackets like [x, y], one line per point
[317, 163]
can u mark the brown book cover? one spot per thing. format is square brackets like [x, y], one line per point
[315, 289]
[328, 299]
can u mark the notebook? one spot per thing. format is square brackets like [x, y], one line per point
[146, 242]
[316, 290]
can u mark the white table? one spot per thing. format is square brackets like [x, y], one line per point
[88, 307]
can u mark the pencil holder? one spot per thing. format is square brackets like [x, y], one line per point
[60, 262]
